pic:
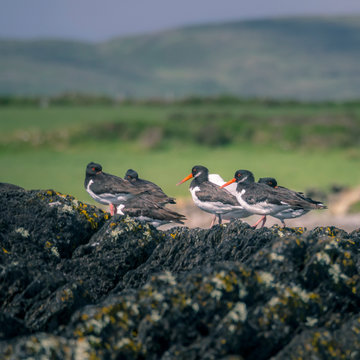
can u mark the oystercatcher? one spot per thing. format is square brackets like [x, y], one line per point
[261, 199]
[106, 188]
[208, 196]
[290, 213]
[236, 214]
[143, 208]
[149, 187]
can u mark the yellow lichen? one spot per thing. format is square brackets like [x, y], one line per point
[48, 244]
[67, 295]
[78, 333]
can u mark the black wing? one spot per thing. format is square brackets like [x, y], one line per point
[111, 184]
[144, 206]
[258, 193]
[210, 192]
[298, 199]
[155, 191]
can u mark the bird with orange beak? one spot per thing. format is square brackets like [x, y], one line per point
[210, 197]
[262, 199]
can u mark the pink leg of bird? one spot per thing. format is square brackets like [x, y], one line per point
[112, 209]
[263, 219]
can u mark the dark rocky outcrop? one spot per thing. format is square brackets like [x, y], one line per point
[76, 284]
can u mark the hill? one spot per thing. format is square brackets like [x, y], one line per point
[303, 58]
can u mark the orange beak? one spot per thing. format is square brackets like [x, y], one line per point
[228, 183]
[185, 179]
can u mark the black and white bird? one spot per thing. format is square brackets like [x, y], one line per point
[290, 213]
[208, 196]
[261, 199]
[143, 208]
[108, 189]
[149, 187]
[235, 214]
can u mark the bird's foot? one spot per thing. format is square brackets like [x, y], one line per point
[262, 219]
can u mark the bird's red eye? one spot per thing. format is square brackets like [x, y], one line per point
[93, 169]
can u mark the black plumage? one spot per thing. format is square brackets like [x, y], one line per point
[144, 208]
[262, 199]
[149, 187]
[208, 196]
[106, 188]
[296, 210]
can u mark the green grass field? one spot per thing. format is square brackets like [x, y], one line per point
[50, 147]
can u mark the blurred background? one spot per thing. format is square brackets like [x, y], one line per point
[273, 87]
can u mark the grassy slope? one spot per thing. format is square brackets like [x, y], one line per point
[60, 164]
[299, 57]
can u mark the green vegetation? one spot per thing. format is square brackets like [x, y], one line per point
[302, 145]
[303, 58]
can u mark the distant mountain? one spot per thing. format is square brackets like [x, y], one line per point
[303, 58]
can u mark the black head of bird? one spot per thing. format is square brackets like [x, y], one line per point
[131, 175]
[93, 169]
[198, 171]
[241, 176]
[268, 181]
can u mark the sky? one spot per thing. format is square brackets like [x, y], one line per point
[98, 20]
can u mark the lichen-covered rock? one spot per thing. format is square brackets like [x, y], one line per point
[128, 291]
[184, 248]
[341, 342]
[31, 221]
[39, 230]
[120, 246]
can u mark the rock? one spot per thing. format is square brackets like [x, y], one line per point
[119, 289]
[183, 249]
[119, 247]
[46, 219]
[38, 230]
[10, 187]
[10, 326]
